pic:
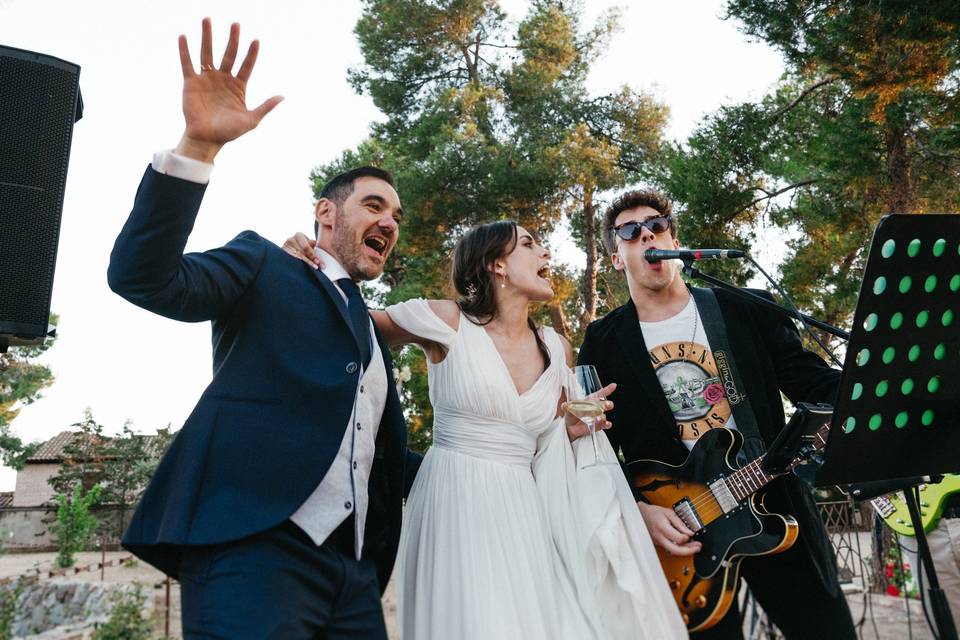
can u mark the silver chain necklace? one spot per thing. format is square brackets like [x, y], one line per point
[696, 317]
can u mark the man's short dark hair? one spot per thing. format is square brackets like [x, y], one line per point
[340, 186]
[631, 200]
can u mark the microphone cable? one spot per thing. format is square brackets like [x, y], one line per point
[796, 311]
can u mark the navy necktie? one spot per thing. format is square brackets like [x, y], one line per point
[359, 317]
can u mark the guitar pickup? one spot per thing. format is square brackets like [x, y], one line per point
[723, 496]
[686, 512]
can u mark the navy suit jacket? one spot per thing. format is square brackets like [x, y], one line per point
[285, 373]
[770, 358]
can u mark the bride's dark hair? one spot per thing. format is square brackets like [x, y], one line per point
[473, 277]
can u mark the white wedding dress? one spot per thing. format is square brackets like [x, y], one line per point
[503, 537]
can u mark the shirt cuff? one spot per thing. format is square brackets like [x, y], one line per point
[178, 166]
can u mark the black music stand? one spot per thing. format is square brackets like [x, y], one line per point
[898, 409]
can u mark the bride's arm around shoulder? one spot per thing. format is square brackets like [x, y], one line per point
[431, 325]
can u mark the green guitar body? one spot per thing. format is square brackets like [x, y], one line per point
[932, 499]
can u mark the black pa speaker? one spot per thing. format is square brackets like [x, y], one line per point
[39, 102]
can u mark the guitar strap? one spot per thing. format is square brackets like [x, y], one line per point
[716, 330]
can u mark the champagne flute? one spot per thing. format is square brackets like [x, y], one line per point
[585, 403]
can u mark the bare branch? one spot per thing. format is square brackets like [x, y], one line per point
[772, 194]
[498, 46]
[782, 110]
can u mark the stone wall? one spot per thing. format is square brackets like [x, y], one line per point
[64, 608]
[25, 529]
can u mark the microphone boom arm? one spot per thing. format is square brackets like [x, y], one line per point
[692, 272]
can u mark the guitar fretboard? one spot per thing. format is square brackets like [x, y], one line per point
[750, 478]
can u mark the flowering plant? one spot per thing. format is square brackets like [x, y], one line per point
[897, 574]
[400, 376]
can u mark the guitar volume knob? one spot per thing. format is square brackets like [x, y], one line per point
[701, 601]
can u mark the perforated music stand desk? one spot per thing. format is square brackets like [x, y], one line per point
[897, 413]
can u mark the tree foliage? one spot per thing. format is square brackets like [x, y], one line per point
[487, 119]
[22, 380]
[75, 523]
[864, 123]
[120, 465]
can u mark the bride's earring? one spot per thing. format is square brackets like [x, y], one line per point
[503, 282]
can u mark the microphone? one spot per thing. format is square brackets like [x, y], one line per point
[656, 255]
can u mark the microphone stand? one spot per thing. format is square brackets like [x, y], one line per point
[692, 272]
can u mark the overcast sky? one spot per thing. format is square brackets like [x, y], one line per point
[125, 363]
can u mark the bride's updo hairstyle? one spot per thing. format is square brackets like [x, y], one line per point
[473, 276]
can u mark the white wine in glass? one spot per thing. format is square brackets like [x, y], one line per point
[585, 402]
[586, 410]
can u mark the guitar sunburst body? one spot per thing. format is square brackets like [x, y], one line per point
[717, 501]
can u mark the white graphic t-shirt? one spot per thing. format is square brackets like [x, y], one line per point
[684, 364]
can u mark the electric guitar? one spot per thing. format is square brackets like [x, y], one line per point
[893, 508]
[718, 501]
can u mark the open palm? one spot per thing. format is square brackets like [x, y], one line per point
[214, 100]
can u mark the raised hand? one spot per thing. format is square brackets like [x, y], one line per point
[214, 100]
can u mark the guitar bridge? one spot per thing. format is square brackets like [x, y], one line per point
[686, 512]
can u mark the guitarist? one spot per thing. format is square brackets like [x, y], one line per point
[674, 385]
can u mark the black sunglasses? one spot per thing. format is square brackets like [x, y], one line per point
[631, 230]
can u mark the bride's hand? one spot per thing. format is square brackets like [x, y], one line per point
[301, 246]
[576, 428]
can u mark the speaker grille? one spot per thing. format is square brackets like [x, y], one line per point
[38, 102]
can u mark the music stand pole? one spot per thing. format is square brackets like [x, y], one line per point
[946, 628]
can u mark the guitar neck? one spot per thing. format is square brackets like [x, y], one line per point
[747, 480]
[750, 478]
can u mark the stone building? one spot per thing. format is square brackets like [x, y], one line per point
[33, 488]
[24, 514]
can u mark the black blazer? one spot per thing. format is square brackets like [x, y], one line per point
[285, 372]
[769, 357]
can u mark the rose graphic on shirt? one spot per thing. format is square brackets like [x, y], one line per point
[713, 393]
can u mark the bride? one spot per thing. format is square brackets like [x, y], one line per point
[504, 535]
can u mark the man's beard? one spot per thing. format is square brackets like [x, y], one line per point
[350, 254]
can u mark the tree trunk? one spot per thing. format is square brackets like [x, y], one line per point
[898, 170]
[590, 245]
[558, 321]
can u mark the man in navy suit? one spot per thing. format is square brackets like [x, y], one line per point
[278, 504]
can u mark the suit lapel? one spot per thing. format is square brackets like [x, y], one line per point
[337, 298]
[635, 350]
